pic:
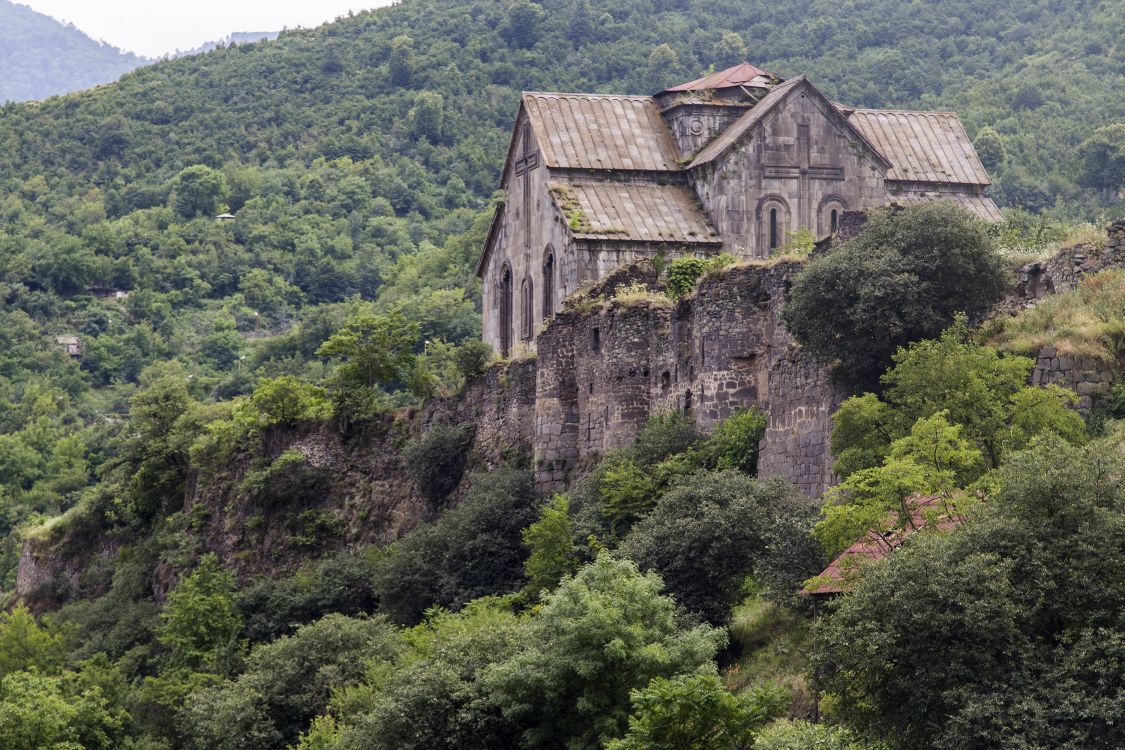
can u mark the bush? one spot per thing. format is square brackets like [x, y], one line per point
[287, 683]
[683, 273]
[801, 735]
[663, 435]
[473, 358]
[436, 460]
[706, 535]
[901, 279]
[734, 444]
[340, 583]
[473, 550]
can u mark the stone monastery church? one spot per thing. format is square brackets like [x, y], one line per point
[733, 162]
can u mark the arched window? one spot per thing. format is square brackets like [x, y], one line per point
[831, 209]
[506, 311]
[527, 308]
[548, 283]
[773, 219]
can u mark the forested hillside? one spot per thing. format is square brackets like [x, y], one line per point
[40, 57]
[149, 349]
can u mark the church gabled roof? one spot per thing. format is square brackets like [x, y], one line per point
[633, 212]
[743, 74]
[757, 113]
[922, 146]
[600, 131]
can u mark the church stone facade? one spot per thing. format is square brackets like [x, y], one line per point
[735, 162]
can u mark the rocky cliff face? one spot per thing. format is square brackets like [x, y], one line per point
[606, 363]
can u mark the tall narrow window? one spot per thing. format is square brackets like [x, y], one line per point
[527, 310]
[506, 312]
[773, 229]
[835, 220]
[549, 284]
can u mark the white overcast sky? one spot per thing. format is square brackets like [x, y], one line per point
[157, 27]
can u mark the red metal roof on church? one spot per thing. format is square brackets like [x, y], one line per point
[739, 75]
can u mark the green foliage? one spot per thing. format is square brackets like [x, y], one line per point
[436, 460]
[472, 550]
[201, 621]
[952, 410]
[695, 712]
[664, 434]
[684, 272]
[628, 491]
[473, 358]
[550, 541]
[433, 698]
[339, 583]
[734, 444]
[706, 535]
[801, 735]
[287, 683]
[609, 619]
[375, 349]
[24, 645]
[286, 401]
[199, 189]
[1102, 157]
[990, 148]
[989, 631]
[903, 278]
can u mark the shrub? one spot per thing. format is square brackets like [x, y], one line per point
[663, 435]
[734, 444]
[706, 535]
[684, 272]
[903, 278]
[436, 461]
[473, 358]
[473, 550]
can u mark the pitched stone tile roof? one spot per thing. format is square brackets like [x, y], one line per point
[922, 146]
[981, 205]
[601, 131]
[633, 212]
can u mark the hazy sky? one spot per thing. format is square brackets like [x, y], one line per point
[157, 27]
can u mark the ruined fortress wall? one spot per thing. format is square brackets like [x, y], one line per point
[604, 367]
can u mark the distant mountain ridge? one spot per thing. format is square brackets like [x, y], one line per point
[41, 57]
[238, 37]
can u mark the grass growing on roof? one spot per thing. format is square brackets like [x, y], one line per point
[1088, 321]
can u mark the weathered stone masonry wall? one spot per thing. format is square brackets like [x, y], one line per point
[602, 371]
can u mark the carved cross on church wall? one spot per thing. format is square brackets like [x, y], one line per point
[804, 172]
[523, 168]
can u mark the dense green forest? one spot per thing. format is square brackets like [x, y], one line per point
[359, 161]
[40, 57]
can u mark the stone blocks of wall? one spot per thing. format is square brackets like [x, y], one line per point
[1090, 378]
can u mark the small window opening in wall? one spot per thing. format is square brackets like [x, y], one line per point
[644, 373]
[773, 229]
[596, 340]
[691, 373]
[703, 352]
[687, 402]
[834, 220]
[591, 386]
[665, 380]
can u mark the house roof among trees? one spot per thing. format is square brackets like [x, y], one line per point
[633, 212]
[841, 574]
